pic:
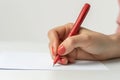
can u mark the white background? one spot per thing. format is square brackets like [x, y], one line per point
[30, 20]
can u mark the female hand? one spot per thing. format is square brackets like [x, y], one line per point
[87, 45]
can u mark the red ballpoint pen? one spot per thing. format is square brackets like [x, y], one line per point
[76, 25]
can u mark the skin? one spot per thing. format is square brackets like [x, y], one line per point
[86, 45]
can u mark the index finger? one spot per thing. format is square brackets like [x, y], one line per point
[57, 35]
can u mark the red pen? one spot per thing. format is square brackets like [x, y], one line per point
[76, 25]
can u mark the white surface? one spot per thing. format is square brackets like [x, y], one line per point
[42, 61]
[111, 74]
[30, 20]
[59, 75]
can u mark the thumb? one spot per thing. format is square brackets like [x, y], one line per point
[73, 42]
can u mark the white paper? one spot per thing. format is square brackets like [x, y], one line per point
[42, 61]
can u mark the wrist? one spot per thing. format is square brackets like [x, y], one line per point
[116, 44]
[116, 37]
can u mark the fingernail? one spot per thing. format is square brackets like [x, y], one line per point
[53, 52]
[63, 61]
[61, 50]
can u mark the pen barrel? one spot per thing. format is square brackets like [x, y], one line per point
[79, 20]
[76, 25]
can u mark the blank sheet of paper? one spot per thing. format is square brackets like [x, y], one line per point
[42, 61]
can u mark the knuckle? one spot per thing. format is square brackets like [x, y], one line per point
[71, 41]
[88, 37]
[88, 41]
[69, 24]
[50, 32]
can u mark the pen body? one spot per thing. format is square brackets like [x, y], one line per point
[76, 25]
[79, 20]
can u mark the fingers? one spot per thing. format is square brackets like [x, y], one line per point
[63, 60]
[77, 54]
[72, 56]
[54, 41]
[73, 42]
[63, 31]
[56, 36]
[66, 60]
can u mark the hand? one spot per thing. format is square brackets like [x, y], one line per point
[87, 45]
